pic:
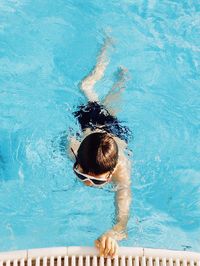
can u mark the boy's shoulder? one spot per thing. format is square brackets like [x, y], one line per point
[122, 145]
[122, 171]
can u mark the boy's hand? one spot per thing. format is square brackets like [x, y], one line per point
[107, 246]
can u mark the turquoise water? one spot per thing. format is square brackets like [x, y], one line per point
[46, 48]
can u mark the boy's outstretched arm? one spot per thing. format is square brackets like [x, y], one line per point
[97, 72]
[107, 243]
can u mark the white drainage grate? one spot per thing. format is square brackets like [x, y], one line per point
[86, 256]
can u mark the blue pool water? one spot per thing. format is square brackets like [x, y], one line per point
[46, 48]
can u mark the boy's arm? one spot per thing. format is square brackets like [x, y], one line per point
[107, 243]
[123, 200]
[97, 72]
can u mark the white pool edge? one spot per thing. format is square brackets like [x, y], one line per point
[91, 251]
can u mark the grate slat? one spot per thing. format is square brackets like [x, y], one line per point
[116, 261]
[136, 262]
[44, 261]
[123, 261]
[29, 262]
[143, 261]
[94, 261]
[177, 262]
[73, 261]
[150, 261]
[51, 261]
[66, 261]
[184, 262]
[8, 263]
[170, 262]
[130, 261]
[157, 261]
[164, 262]
[87, 261]
[108, 262]
[191, 263]
[80, 261]
[22, 262]
[101, 261]
[37, 261]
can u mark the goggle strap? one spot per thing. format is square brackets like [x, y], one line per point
[74, 153]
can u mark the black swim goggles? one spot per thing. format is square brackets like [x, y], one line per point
[84, 177]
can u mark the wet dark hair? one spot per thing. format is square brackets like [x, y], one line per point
[98, 153]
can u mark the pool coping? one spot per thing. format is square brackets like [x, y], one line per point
[92, 251]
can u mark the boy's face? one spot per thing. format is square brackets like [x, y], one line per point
[103, 176]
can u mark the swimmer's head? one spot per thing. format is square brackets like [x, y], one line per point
[98, 154]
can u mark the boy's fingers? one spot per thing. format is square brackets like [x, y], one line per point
[109, 243]
[101, 250]
[116, 249]
[108, 246]
[112, 250]
[102, 245]
[96, 243]
[103, 242]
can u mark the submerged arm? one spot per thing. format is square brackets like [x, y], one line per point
[113, 98]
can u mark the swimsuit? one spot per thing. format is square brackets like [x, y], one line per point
[95, 116]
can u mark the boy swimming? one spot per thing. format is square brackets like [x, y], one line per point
[100, 157]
